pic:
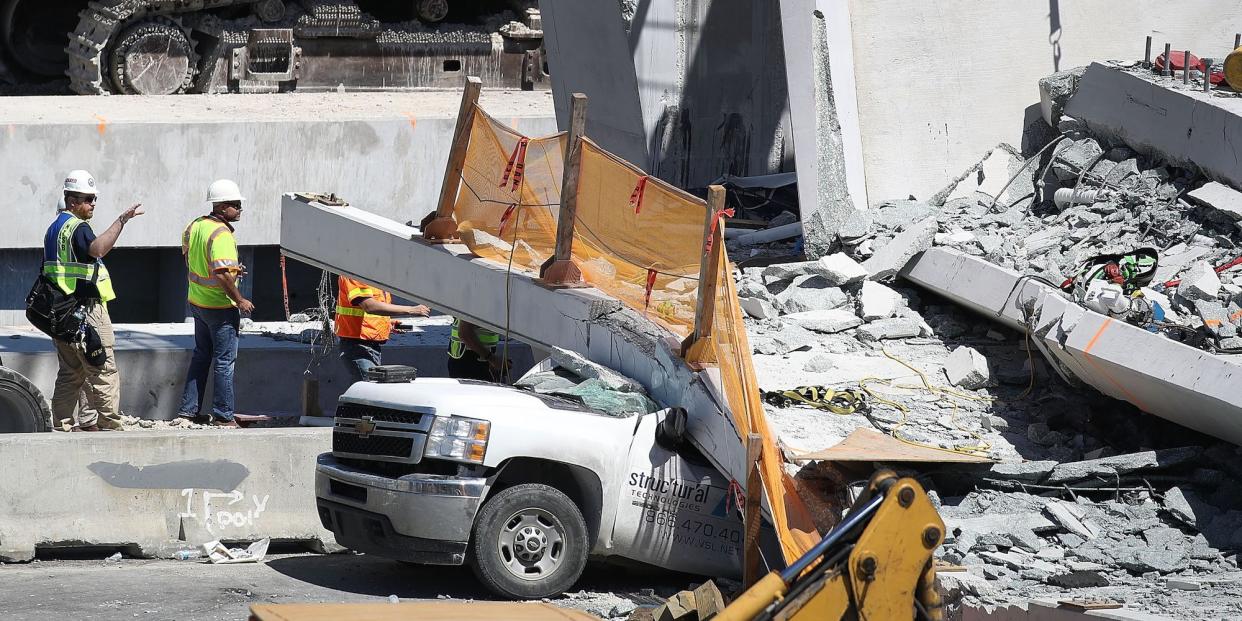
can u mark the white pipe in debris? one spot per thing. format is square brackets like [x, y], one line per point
[784, 231]
[1065, 197]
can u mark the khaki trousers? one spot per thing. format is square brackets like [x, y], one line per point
[97, 388]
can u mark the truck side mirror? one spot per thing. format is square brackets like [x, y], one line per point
[671, 432]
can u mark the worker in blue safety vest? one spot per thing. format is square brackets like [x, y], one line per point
[72, 260]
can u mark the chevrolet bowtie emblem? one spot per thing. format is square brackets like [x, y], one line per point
[365, 426]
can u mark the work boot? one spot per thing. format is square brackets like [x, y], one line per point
[195, 418]
[109, 424]
[86, 428]
[231, 424]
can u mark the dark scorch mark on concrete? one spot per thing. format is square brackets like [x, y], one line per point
[220, 474]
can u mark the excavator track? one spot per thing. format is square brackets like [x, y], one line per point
[101, 21]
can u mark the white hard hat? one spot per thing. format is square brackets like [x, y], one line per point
[81, 182]
[223, 191]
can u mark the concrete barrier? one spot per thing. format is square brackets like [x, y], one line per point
[155, 493]
[153, 359]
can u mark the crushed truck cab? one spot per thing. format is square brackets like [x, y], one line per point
[523, 486]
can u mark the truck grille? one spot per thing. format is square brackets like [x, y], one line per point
[386, 446]
[356, 410]
[374, 433]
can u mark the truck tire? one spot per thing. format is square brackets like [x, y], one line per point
[530, 542]
[22, 407]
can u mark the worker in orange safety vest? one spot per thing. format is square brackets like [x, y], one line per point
[363, 324]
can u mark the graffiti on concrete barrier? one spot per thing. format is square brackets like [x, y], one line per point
[221, 511]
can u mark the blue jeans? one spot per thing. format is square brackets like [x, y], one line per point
[215, 349]
[358, 356]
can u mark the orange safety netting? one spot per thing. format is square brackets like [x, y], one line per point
[794, 524]
[637, 239]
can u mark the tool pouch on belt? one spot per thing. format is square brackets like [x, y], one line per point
[92, 346]
[55, 313]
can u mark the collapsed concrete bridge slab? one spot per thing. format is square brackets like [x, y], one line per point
[1188, 386]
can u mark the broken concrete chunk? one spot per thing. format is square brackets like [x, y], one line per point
[758, 308]
[1188, 509]
[1110, 467]
[1072, 518]
[1027, 471]
[1025, 539]
[1221, 198]
[789, 338]
[954, 238]
[753, 289]
[1215, 318]
[984, 181]
[826, 321]
[1055, 90]
[819, 364]
[786, 271]
[1200, 282]
[580, 366]
[877, 301]
[808, 293]
[857, 224]
[890, 259]
[838, 269]
[898, 328]
[966, 367]
[1078, 580]
[1076, 158]
[1122, 171]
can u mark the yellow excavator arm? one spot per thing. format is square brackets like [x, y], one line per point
[877, 564]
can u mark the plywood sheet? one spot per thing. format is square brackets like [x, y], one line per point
[870, 445]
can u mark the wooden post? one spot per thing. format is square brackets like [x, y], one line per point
[697, 349]
[752, 568]
[443, 227]
[560, 269]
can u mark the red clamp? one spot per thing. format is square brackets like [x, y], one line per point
[636, 197]
[735, 497]
[504, 218]
[711, 234]
[516, 165]
[651, 278]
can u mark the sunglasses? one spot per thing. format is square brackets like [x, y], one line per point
[86, 198]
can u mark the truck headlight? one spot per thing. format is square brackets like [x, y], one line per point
[458, 439]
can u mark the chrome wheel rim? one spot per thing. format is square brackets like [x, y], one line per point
[531, 544]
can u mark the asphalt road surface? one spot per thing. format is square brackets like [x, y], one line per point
[98, 590]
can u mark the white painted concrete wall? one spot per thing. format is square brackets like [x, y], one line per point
[384, 150]
[941, 82]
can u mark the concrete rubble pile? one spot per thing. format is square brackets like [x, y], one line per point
[1080, 505]
[1090, 499]
[1091, 198]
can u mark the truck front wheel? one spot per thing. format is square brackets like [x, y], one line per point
[530, 542]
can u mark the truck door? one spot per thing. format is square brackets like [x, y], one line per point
[675, 510]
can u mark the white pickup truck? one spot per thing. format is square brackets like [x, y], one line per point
[523, 486]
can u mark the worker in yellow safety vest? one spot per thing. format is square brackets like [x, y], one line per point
[216, 302]
[472, 353]
[72, 260]
[363, 324]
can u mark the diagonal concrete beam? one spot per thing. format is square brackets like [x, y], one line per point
[447, 277]
[1188, 386]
